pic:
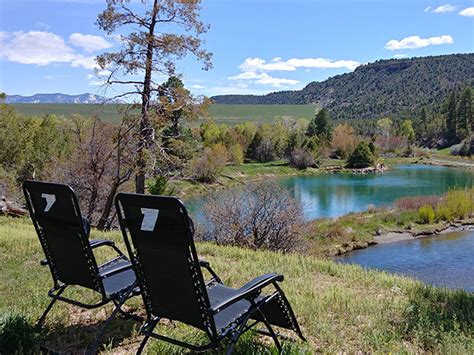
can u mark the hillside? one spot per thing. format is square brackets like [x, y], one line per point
[395, 87]
[56, 98]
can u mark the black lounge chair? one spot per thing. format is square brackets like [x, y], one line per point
[169, 274]
[64, 237]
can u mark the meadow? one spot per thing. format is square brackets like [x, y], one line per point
[341, 308]
[228, 114]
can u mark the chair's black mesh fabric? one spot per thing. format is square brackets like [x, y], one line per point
[54, 209]
[278, 312]
[171, 279]
[225, 318]
[120, 281]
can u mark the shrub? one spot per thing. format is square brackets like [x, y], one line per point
[265, 151]
[344, 140]
[159, 186]
[426, 214]
[416, 202]
[302, 158]
[209, 165]
[236, 154]
[456, 149]
[456, 204]
[262, 216]
[17, 335]
[467, 148]
[361, 157]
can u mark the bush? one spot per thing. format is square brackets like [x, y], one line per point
[265, 152]
[262, 216]
[208, 167]
[426, 214]
[456, 149]
[416, 202]
[344, 140]
[17, 335]
[361, 157]
[456, 204]
[159, 186]
[302, 158]
[236, 154]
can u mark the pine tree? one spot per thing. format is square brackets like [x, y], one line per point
[465, 114]
[155, 34]
[320, 126]
[451, 132]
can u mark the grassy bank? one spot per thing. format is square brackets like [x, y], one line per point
[248, 173]
[340, 307]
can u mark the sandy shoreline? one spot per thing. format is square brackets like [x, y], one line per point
[396, 236]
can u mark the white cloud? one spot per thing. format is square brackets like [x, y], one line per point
[264, 79]
[89, 43]
[428, 8]
[234, 89]
[469, 12]
[197, 86]
[247, 75]
[278, 64]
[444, 9]
[36, 47]
[255, 70]
[414, 42]
[41, 48]
[85, 62]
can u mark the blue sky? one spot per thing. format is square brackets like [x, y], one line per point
[259, 46]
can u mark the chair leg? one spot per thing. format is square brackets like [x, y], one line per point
[118, 305]
[129, 315]
[273, 335]
[147, 336]
[237, 334]
[40, 322]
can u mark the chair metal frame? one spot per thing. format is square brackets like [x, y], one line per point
[251, 292]
[59, 287]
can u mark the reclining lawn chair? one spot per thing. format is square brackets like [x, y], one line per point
[63, 234]
[168, 271]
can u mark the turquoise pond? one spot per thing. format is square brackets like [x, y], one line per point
[446, 260]
[334, 195]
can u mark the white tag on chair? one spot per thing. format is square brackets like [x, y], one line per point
[150, 216]
[50, 200]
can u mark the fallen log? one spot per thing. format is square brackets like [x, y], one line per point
[8, 208]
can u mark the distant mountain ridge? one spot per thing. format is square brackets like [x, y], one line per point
[58, 98]
[393, 87]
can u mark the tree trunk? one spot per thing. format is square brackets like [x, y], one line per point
[146, 133]
[102, 225]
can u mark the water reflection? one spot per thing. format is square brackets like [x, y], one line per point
[445, 260]
[334, 195]
[338, 194]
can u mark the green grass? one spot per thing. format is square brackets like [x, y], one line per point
[341, 308]
[228, 114]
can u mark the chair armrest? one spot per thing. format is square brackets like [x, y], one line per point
[205, 264]
[95, 243]
[123, 266]
[249, 290]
